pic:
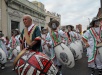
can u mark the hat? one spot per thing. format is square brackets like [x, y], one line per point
[72, 27]
[93, 21]
[53, 22]
[43, 31]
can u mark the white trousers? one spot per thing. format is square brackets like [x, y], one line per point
[97, 63]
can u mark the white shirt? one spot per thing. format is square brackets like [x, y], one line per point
[29, 28]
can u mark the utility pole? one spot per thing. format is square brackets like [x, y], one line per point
[89, 20]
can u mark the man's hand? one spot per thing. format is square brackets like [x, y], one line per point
[87, 45]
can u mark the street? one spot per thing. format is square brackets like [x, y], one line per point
[79, 69]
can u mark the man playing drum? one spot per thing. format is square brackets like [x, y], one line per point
[91, 38]
[53, 32]
[30, 60]
[71, 33]
[33, 31]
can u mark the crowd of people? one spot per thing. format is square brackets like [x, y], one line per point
[55, 41]
[8, 45]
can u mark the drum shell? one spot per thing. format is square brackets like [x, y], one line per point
[35, 63]
[100, 52]
[3, 58]
[79, 43]
[75, 47]
[61, 50]
[16, 51]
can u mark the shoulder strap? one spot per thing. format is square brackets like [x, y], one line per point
[32, 31]
[29, 38]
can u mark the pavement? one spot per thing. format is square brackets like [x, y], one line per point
[80, 68]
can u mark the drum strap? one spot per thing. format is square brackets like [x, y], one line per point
[28, 35]
[95, 51]
[55, 37]
[96, 35]
[19, 55]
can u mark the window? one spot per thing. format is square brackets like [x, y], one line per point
[14, 25]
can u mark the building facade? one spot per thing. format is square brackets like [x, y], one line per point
[51, 16]
[12, 11]
[99, 14]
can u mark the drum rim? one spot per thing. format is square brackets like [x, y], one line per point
[19, 55]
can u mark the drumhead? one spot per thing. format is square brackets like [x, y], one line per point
[78, 54]
[3, 58]
[64, 55]
[79, 43]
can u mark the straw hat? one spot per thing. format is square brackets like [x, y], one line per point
[53, 22]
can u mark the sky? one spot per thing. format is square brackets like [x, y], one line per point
[73, 12]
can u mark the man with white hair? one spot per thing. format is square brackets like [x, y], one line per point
[30, 36]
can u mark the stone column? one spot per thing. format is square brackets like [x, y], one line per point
[4, 24]
[0, 13]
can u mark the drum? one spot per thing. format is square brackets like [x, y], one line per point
[75, 50]
[64, 55]
[3, 47]
[79, 44]
[34, 63]
[16, 51]
[3, 58]
[100, 51]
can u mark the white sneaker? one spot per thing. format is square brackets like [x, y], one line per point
[13, 69]
[3, 68]
[60, 73]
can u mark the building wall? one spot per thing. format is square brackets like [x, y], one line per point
[4, 17]
[99, 14]
[50, 16]
[0, 13]
[14, 10]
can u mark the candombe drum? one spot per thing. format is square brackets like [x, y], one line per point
[75, 50]
[100, 51]
[3, 58]
[16, 51]
[99, 46]
[79, 44]
[34, 63]
[64, 55]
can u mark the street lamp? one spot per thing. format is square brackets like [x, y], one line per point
[89, 20]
